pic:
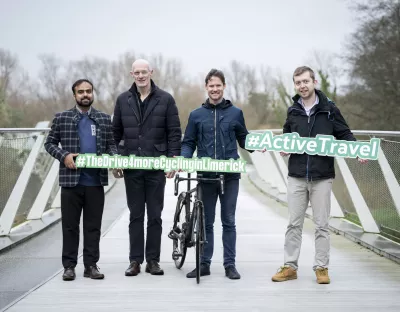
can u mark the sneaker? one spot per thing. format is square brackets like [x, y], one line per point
[204, 270]
[285, 273]
[322, 276]
[231, 272]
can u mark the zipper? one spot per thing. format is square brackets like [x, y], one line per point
[137, 117]
[215, 133]
[309, 133]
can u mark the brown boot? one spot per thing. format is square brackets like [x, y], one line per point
[322, 276]
[133, 269]
[285, 273]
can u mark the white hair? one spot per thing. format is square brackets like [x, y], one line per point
[141, 61]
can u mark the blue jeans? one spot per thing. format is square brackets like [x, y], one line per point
[211, 192]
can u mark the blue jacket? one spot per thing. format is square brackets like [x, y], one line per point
[215, 131]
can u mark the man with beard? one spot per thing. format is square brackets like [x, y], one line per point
[146, 120]
[81, 129]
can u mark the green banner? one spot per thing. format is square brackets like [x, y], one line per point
[160, 163]
[324, 145]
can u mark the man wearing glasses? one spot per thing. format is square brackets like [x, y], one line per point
[145, 124]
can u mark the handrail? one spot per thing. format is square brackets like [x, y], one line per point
[356, 132]
[17, 130]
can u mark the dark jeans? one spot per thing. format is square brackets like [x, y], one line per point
[145, 188]
[90, 199]
[211, 192]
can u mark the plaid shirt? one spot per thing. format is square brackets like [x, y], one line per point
[64, 130]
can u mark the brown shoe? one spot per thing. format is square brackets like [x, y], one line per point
[69, 274]
[153, 268]
[93, 272]
[322, 276]
[133, 269]
[285, 273]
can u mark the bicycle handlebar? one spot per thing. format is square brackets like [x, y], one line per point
[198, 178]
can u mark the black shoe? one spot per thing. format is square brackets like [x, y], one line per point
[153, 268]
[231, 272]
[133, 269]
[69, 274]
[93, 272]
[204, 270]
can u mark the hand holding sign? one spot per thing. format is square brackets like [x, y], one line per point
[69, 161]
[118, 173]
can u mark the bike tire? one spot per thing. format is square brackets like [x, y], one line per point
[177, 244]
[198, 242]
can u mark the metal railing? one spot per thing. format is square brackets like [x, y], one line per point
[26, 173]
[368, 194]
[365, 194]
[29, 186]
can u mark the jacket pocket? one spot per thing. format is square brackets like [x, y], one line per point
[228, 135]
[162, 147]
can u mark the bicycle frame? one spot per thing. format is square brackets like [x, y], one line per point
[193, 231]
[199, 178]
[197, 198]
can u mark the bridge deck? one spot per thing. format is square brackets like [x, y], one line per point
[361, 280]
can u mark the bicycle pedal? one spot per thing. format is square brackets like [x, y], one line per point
[176, 255]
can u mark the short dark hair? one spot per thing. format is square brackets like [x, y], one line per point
[78, 82]
[302, 69]
[216, 73]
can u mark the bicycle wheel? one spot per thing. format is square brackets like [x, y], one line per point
[179, 232]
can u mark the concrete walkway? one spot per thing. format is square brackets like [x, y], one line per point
[361, 280]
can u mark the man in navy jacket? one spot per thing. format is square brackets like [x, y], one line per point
[214, 128]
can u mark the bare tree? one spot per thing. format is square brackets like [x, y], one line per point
[242, 81]
[189, 98]
[95, 69]
[8, 65]
[374, 60]
[234, 75]
[55, 82]
[119, 78]
[175, 77]
[266, 78]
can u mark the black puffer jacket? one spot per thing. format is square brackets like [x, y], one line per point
[157, 133]
[325, 118]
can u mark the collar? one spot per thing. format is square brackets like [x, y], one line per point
[80, 111]
[134, 88]
[300, 101]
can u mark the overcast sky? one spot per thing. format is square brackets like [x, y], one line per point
[203, 34]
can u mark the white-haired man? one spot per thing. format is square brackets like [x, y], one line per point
[146, 120]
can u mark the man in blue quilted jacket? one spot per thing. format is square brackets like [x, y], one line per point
[214, 129]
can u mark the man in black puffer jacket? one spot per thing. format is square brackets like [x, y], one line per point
[310, 176]
[146, 120]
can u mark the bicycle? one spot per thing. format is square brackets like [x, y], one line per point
[189, 230]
